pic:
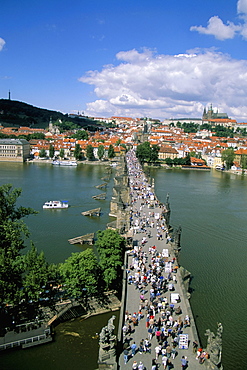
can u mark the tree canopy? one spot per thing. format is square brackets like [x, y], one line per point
[227, 156]
[12, 232]
[77, 152]
[147, 153]
[110, 246]
[80, 274]
[101, 151]
[90, 153]
[111, 153]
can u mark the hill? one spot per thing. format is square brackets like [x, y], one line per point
[16, 113]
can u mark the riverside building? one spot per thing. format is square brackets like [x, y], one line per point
[14, 150]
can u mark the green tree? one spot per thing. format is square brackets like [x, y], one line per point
[42, 153]
[111, 153]
[81, 273]
[143, 152]
[118, 142]
[13, 232]
[154, 155]
[90, 153]
[37, 135]
[147, 153]
[227, 157]
[243, 162]
[169, 161]
[101, 151]
[186, 160]
[77, 152]
[51, 151]
[110, 246]
[80, 135]
[61, 153]
[36, 274]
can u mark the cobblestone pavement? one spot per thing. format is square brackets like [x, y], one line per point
[147, 219]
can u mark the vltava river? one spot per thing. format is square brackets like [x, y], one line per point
[210, 207]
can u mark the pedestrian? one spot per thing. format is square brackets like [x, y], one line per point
[158, 335]
[169, 364]
[141, 347]
[154, 364]
[146, 346]
[133, 349]
[125, 329]
[126, 356]
[168, 351]
[164, 361]
[173, 352]
[129, 331]
[135, 365]
[150, 333]
[184, 362]
[198, 353]
[141, 366]
[195, 346]
[157, 351]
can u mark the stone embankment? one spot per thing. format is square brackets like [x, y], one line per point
[155, 315]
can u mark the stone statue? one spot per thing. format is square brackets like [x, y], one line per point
[110, 325]
[167, 198]
[214, 348]
[177, 236]
[107, 341]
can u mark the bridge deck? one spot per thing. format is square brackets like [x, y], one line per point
[145, 255]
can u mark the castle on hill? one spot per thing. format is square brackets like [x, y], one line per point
[211, 115]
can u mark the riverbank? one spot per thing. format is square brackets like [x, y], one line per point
[98, 162]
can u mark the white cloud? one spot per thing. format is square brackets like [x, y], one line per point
[221, 31]
[163, 86]
[242, 7]
[2, 43]
[218, 29]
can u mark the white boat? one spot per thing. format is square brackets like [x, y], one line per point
[55, 204]
[64, 163]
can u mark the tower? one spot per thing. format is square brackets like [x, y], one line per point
[9, 95]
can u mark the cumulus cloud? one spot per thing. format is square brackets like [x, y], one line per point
[164, 86]
[2, 43]
[218, 29]
[221, 31]
[242, 7]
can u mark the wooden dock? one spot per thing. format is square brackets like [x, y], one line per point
[101, 196]
[104, 185]
[84, 239]
[92, 212]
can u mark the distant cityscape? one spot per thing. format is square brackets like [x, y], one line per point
[176, 138]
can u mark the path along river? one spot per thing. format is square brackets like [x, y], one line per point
[210, 207]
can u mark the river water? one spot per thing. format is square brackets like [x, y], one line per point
[209, 206]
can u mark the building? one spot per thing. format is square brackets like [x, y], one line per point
[167, 151]
[211, 115]
[14, 150]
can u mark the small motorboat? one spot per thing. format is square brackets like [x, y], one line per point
[55, 204]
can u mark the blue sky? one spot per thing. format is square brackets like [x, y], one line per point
[158, 58]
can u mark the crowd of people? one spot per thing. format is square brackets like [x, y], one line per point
[152, 273]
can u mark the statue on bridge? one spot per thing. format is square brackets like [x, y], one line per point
[107, 341]
[214, 348]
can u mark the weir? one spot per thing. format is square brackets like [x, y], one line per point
[153, 245]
